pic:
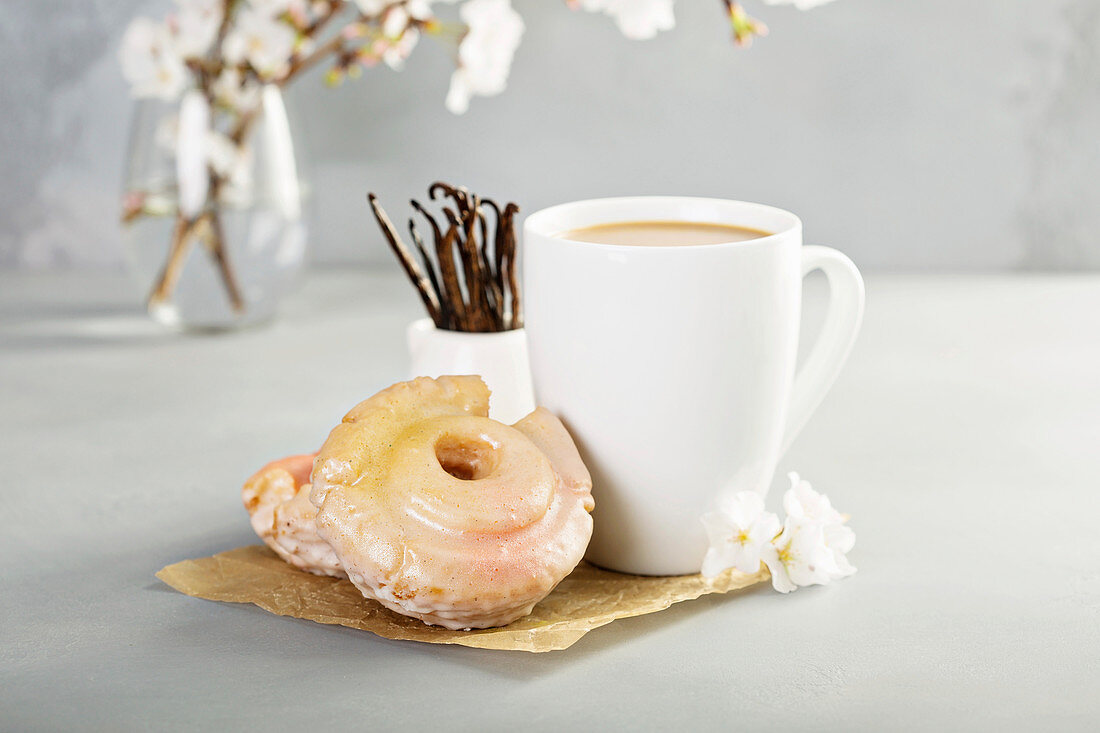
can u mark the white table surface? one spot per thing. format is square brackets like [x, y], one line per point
[963, 438]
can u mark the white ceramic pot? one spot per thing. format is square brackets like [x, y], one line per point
[499, 358]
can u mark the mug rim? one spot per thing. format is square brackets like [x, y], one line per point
[535, 224]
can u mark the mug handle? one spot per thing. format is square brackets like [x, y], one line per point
[842, 322]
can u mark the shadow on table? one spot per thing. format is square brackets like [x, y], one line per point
[44, 325]
[527, 666]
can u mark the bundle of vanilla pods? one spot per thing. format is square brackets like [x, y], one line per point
[466, 278]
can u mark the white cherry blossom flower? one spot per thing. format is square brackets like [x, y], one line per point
[486, 51]
[262, 41]
[739, 533]
[840, 539]
[231, 89]
[150, 61]
[803, 504]
[799, 557]
[811, 549]
[800, 4]
[371, 8]
[394, 53]
[197, 26]
[229, 160]
[272, 8]
[397, 19]
[637, 19]
[419, 9]
[304, 46]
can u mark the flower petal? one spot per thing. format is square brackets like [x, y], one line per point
[781, 581]
[717, 560]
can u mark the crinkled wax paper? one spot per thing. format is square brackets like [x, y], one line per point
[587, 599]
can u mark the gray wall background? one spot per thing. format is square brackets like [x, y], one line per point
[913, 134]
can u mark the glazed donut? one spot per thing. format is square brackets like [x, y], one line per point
[439, 513]
[277, 501]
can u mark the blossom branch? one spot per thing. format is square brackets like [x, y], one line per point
[229, 49]
[744, 27]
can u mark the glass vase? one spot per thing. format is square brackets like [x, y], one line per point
[214, 211]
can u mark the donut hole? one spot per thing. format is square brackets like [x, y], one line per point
[466, 458]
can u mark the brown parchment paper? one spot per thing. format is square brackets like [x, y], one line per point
[587, 599]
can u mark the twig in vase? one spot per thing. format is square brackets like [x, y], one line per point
[170, 273]
[208, 227]
[216, 244]
[475, 290]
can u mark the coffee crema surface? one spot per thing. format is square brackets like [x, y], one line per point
[662, 233]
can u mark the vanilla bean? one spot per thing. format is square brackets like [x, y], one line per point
[457, 193]
[472, 256]
[483, 227]
[448, 286]
[488, 277]
[510, 255]
[450, 291]
[499, 245]
[500, 258]
[476, 311]
[473, 275]
[411, 268]
[444, 251]
[446, 188]
[467, 275]
[444, 320]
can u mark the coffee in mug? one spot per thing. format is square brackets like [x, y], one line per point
[662, 233]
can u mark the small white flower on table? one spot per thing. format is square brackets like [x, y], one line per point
[811, 549]
[804, 504]
[740, 534]
[800, 557]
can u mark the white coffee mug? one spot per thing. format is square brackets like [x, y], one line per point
[674, 366]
